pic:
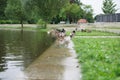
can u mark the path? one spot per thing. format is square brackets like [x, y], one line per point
[97, 36]
[107, 30]
[56, 63]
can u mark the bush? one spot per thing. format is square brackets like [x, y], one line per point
[42, 24]
[4, 21]
[9, 22]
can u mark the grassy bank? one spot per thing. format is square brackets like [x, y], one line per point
[99, 58]
[94, 33]
[29, 28]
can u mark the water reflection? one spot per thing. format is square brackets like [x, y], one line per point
[18, 49]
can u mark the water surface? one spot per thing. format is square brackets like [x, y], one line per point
[18, 49]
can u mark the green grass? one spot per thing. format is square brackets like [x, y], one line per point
[99, 58]
[17, 27]
[94, 33]
[24, 28]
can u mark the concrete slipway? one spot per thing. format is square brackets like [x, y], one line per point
[59, 62]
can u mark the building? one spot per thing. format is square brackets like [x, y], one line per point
[108, 18]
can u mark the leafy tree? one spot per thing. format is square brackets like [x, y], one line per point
[88, 13]
[75, 1]
[2, 8]
[15, 11]
[44, 9]
[109, 7]
[71, 12]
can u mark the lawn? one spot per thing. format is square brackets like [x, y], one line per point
[99, 58]
[24, 28]
[94, 33]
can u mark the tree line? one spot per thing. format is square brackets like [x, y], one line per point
[50, 11]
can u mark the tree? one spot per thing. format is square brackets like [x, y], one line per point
[88, 13]
[2, 8]
[15, 11]
[109, 7]
[75, 1]
[71, 12]
[44, 9]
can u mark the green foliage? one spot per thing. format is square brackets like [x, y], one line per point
[75, 1]
[109, 7]
[42, 24]
[94, 33]
[70, 11]
[73, 12]
[44, 9]
[99, 58]
[2, 8]
[87, 13]
[9, 22]
[15, 10]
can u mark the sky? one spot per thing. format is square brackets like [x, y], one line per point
[97, 5]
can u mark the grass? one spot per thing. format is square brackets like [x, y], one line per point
[24, 28]
[94, 33]
[17, 27]
[99, 58]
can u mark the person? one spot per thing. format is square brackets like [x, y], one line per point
[72, 34]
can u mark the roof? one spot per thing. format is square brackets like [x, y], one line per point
[82, 21]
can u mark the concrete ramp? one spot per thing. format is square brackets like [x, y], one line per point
[56, 63]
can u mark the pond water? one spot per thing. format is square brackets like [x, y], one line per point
[18, 49]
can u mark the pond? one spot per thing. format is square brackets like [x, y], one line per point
[18, 49]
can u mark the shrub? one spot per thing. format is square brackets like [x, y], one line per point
[9, 22]
[41, 24]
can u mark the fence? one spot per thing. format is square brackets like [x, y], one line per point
[108, 18]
